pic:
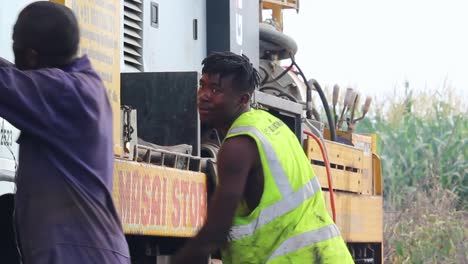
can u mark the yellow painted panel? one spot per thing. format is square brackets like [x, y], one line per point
[361, 138]
[374, 143]
[341, 180]
[367, 181]
[100, 29]
[344, 155]
[346, 165]
[364, 143]
[159, 201]
[377, 170]
[337, 154]
[359, 217]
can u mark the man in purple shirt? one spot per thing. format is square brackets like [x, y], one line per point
[64, 211]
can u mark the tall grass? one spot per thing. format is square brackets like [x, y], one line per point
[421, 137]
[427, 229]
[423, 143]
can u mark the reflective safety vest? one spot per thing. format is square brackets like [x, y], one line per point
[291, 223]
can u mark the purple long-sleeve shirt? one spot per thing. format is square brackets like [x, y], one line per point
[64, 210]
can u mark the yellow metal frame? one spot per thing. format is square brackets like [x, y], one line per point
[277, 6]
[285, 4]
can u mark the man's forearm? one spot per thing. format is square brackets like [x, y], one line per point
[208, 240]
[233, 173]
[214, 233]
[194, 252]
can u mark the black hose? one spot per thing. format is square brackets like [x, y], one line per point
[279, 93]
[316, 114]
[331, 124]
[279, 76]
[265, 72]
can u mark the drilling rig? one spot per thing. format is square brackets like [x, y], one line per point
[148, 53]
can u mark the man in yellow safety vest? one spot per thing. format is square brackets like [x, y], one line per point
[268, 202]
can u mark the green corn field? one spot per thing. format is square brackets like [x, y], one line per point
[423, 143]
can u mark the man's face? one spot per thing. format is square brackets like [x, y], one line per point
[218, 102]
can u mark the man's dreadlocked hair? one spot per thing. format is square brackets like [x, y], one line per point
[245, 76]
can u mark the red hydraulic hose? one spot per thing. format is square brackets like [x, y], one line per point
[327, 167]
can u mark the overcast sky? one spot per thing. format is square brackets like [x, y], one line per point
[377, 45]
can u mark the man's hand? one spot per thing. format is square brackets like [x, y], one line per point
[236, 159]
[5, 63]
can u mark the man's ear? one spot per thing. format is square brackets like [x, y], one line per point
[245, 99]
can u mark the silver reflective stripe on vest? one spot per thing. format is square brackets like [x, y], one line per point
[305, 239]
[286, 205]
[274, 164]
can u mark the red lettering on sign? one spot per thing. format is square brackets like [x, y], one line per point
[155, 201]
[146, 201]
[168, 203]
[123, 199]
[185, 196]
[160, 201]
[176, 204]
[164, 214]
[194, 202]
[135, 198]
[202, 196]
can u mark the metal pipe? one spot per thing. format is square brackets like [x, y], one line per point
[364, 109]
[336, 95]
[346, 103]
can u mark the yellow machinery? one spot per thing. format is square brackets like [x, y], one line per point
[357, 185]
[354, 165]
[162, 201]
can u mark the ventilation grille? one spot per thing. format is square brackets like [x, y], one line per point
[133, 35]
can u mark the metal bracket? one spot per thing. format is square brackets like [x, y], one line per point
[129, 135]
[166, 158]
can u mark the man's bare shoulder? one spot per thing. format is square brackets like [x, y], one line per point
[238, 153]
[240, 144]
